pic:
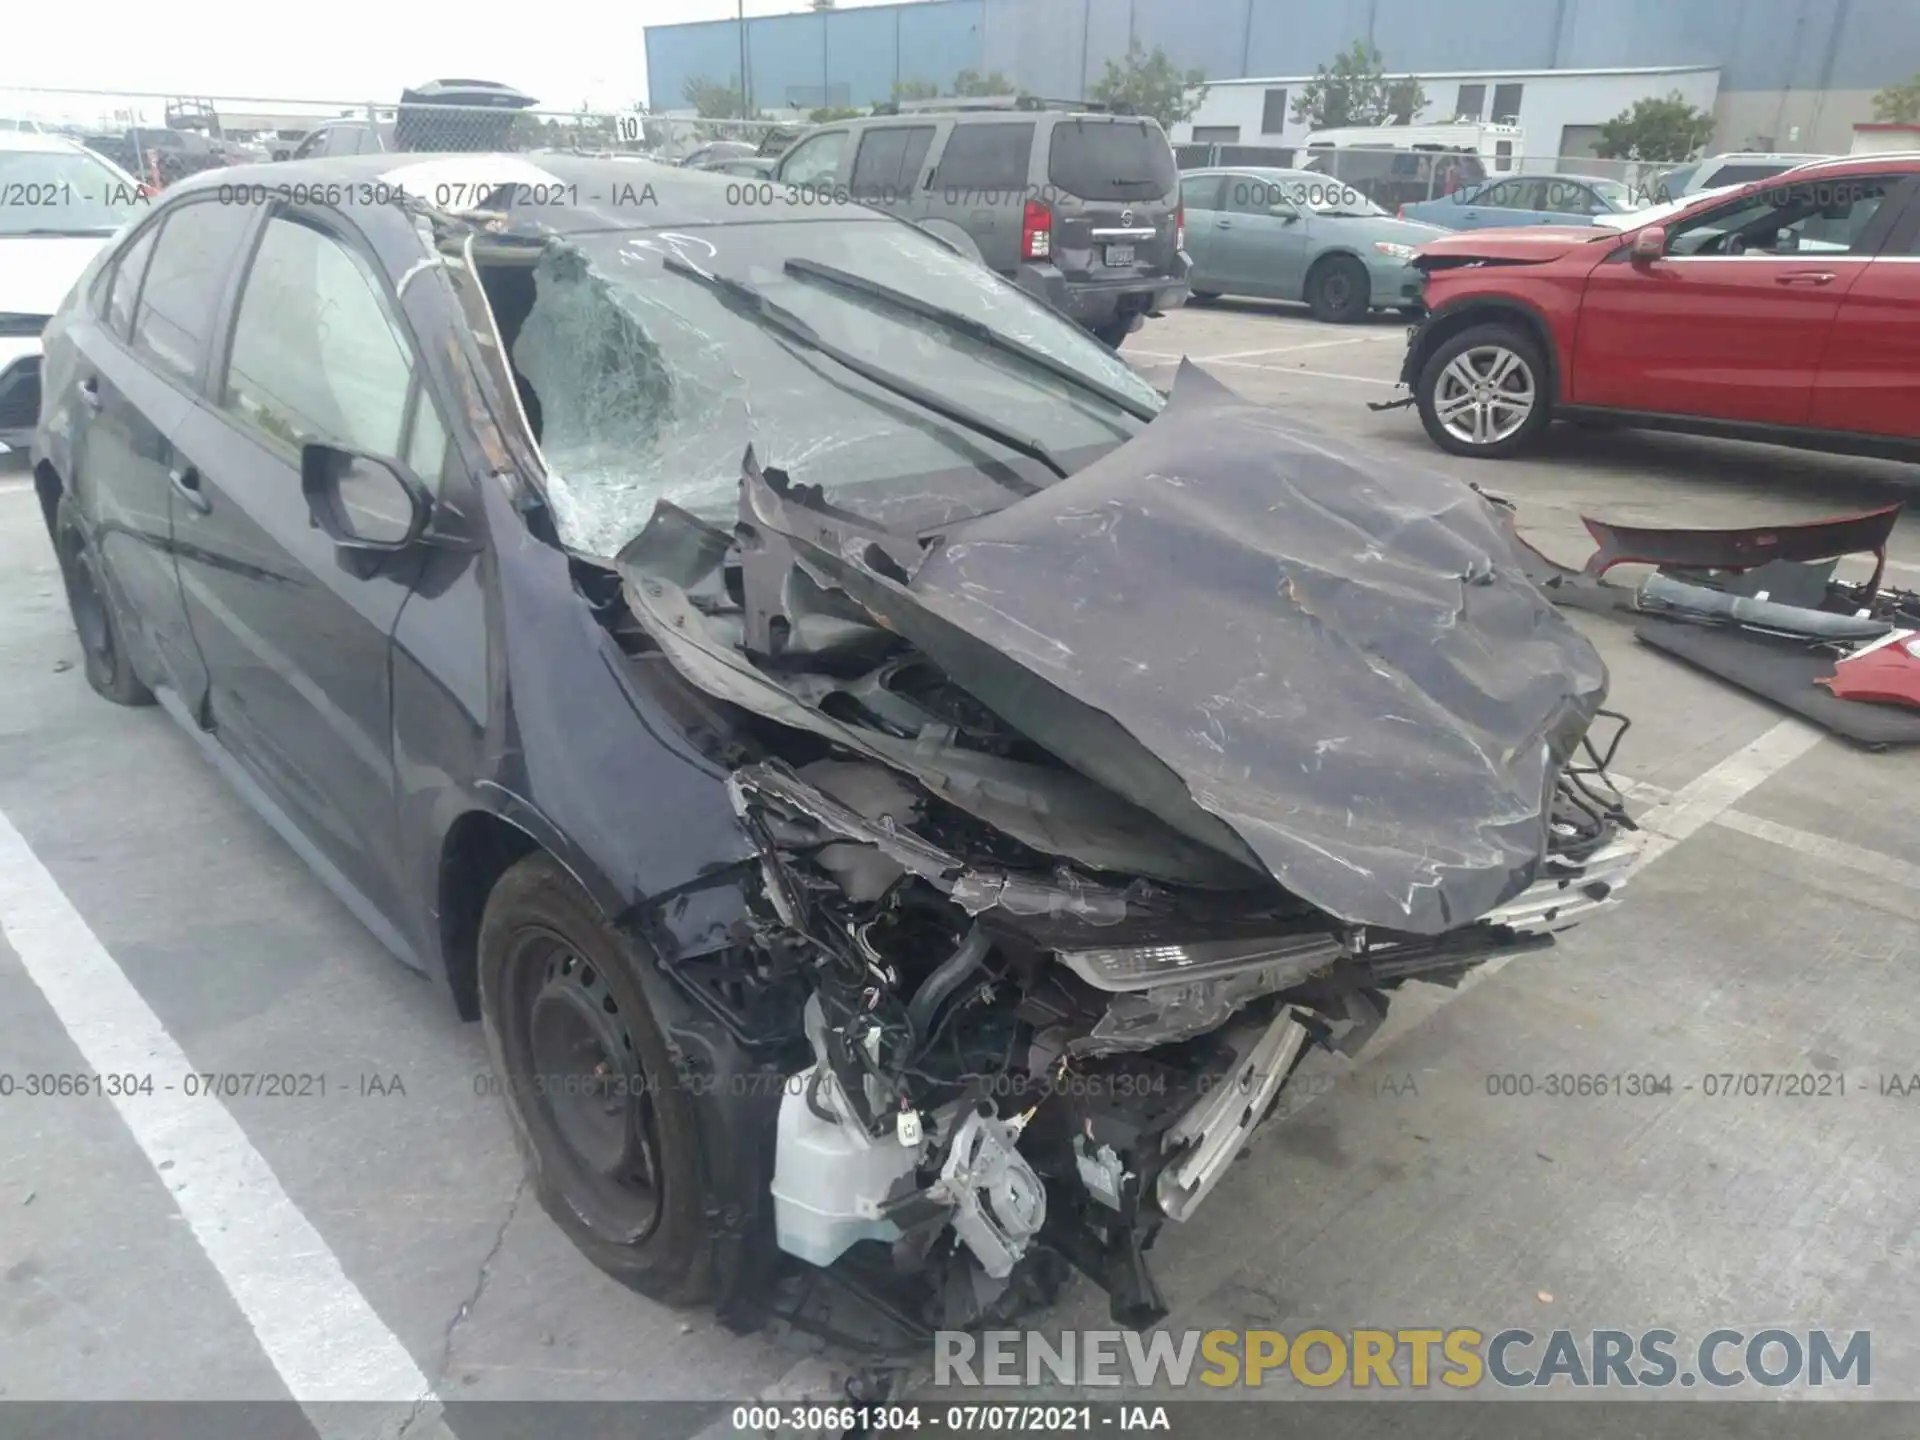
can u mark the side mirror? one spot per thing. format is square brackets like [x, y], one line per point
[1284, 213]
[1650, 244]
[363, 502]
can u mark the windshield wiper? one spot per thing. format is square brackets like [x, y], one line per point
[50, 232]
[785, 322]
[973, 329]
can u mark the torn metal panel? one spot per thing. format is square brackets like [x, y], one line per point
[1333, 670]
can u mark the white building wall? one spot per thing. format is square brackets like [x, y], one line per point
[1551, 102]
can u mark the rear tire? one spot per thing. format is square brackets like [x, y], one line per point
[1339, 290]
[1114, 332]
[1205, 297]
[90, 602]
[602, 1117]
[1484, 392]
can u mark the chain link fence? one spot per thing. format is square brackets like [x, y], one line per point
[1560, 184]
[159, 138]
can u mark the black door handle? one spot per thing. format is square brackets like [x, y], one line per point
[90, 392]
[186, 484]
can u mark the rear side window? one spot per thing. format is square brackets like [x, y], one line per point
[1201, 192]
[985, 157]
[887, 164]
[196, 252]
[1111, 160]
[126, 282]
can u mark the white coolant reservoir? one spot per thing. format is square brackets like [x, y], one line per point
[829, 1177]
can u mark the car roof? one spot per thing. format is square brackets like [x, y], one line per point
[29, 140]
[1908, 163]
[598, 192]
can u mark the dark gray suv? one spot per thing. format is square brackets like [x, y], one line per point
[1078, 206]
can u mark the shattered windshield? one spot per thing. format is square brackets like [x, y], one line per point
[649, 386]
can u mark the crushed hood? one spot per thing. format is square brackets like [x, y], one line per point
[1313, 665]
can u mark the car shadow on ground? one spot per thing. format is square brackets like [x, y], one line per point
[1703, 468]
[1292, 310]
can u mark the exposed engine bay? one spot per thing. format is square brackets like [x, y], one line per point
[1079, 823]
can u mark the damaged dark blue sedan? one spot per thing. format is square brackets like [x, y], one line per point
[901, 794]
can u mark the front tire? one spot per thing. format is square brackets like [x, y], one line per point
[601, 1115]
[1113, 333]
[90, 602]
[1339, 290]
[1484, 393]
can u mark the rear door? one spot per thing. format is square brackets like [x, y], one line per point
[135, 378]
[980, 183]
[1200, 196]
[295, 631]
[1869, 378]
[1113, 187]
[1732, 323]
[889, 164]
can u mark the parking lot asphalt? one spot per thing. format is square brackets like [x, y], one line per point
[1774, 929]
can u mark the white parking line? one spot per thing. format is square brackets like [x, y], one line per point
[1854, 857]
[1288, 349]
[315, 1326]
[1163, 359]
[1708, 797]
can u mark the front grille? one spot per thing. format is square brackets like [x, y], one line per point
[20, 395]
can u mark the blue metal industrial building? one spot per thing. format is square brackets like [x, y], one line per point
[1808, 67]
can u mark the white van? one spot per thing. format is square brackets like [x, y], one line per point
[1498, 147]
[1395, 165]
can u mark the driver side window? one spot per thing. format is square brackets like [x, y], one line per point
[317, 355]
[813, 161]
[1791, 219]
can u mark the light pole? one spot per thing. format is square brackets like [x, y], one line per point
[746, 105]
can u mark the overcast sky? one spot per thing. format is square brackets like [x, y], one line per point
[346, 49]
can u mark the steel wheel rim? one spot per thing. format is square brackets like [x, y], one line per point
[582, 1086]
[1337, 290]
[1484, 395]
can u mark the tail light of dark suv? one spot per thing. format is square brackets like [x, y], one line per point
[1036, 232]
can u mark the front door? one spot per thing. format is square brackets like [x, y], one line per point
[1731, 323]
[1260, 239]
[295, 631]
[1869, 380]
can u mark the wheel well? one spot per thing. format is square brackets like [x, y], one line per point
[1443, 327]
[479, 849]
[1328, 258]
[46, 484]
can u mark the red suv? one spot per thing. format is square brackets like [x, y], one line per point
[1785, 310]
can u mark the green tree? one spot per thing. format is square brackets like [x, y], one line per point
[713, 101]
[973, 83]
[1354, 90]
[831, 113]
[1150, 84]
[1656, 128]
[820, 5]
[915, 90]
[1899, 104]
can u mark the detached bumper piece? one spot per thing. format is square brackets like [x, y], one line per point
[1760, 608]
